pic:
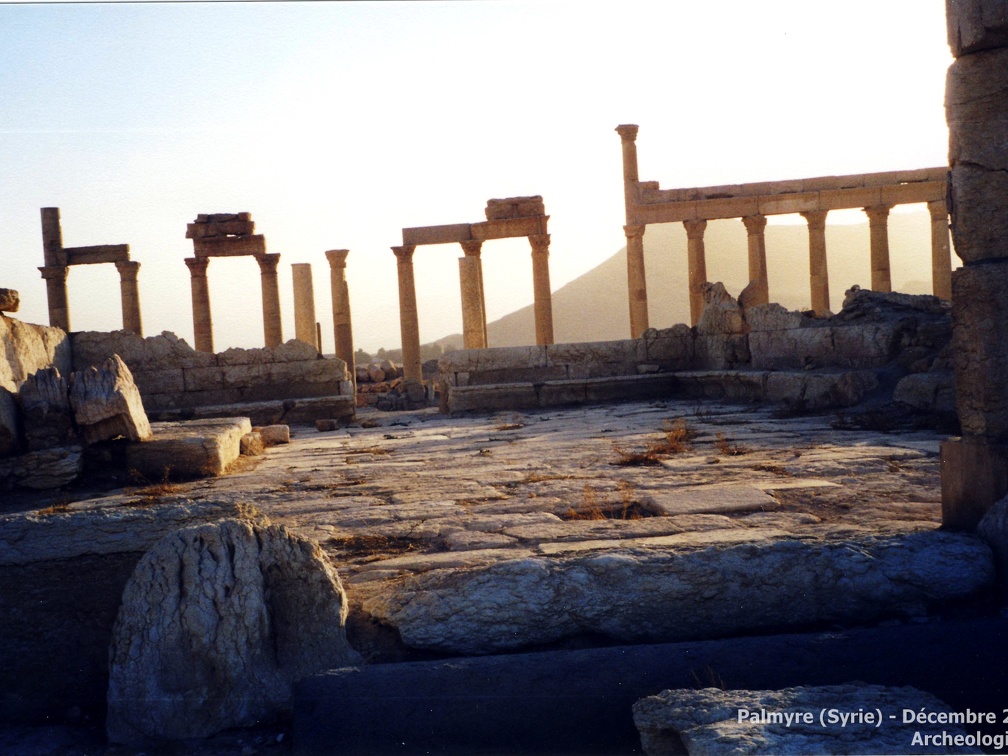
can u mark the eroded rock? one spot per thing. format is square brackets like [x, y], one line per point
[45, 405]
[216, 624]
[107, 404]
[10, 300]
[10, 423]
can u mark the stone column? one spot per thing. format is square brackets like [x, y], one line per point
[878, 222]
[474, 331]
[818, 272]
[636, 280]
[56, 291]
[755, 227]
[304, 305]
[272, 329]
[696, 265]
[55, 269]
[128, 270]
[541, 289]
[202, 321]
[409, 323]
[941, 251]
[975, 467]
[342, 329]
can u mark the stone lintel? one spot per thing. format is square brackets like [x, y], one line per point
[222, 217]
[220, 228]
[102, 253]
[510, 228]
[447, 234]
[233, 246]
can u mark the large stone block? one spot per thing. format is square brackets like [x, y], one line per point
[721, 313]
[979, 213]
[492, 398]
[628, 352]
[189, 449]
[43, 469]
[975, 25]
[810, 391]
[10, 300]
[163, 352]
[974, 475]
[29, 348]
[721, 351]
[106, 403]
[45, 405]
[792, 348]
[216, 624]
[975, 94]
[672, 348]
[980, 348]
[161, 381]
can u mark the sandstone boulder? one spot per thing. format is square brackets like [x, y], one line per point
[707, 721]
[216, 624]
[45, 407]
[107, 404]
[10, 300]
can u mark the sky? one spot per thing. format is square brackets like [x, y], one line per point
[337, 124]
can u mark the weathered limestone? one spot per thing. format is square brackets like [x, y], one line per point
[189, 449]
[543, 299]
[409, 324]
[10, 300]
[712, 720]
[231, 235]
[697, 266]
[30, 348]
[58, 259]
[107, 404]
[973, 467]
[647, 203]
[45, 407]
[304, 305]
[185, 663]
[471, 285]
[10, 424]
[941, 250]
[43, 469]
[342, 326]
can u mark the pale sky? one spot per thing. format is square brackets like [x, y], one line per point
[336, 124]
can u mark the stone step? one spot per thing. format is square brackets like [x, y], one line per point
[581, 701]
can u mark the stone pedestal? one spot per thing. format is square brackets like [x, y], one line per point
[272, 330]
[697, 266]
[304, 305]
[409, 324]
[342, 328]
[128, 270]
[755, 228]
[974, 476]
[941, 251]
[202, 321]
[636, 280]
[541, 289]
[878, 224]
[818, 271]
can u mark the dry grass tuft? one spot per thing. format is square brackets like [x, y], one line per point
[593, 508]
[678, 438]
[775, 469]
[728, 448]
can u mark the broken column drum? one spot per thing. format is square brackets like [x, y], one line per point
[875, 193]
[231, 235]
[58, 260]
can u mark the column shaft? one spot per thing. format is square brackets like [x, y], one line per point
[342, 329]
[272, 329]
[56, 292]
[52, 237]
[473, 326]
[755, 227]
[202, 320]
[636, 280]
[541, 289]
[304, 304]
[941, 251]
[818, 270]
[696, 266]
[409, 324]
[878, 223]
[128, 270]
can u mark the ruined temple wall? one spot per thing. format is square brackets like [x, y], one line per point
[171, 375]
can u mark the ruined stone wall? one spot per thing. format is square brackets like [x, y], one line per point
[893, 344]
[172, 376]
[27, 348]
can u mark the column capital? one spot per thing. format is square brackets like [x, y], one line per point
[877, 213]
[695, 228]
[128, 269]
[58, 272]
[268, 263]
[635, 231]
[405, 253]
[938, 210]
[197, 266]
[754, 224]
[540, 244]
[627, 131]
[816, 219]
[472, 247]
[337, 257]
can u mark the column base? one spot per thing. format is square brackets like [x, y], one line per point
[974, 476]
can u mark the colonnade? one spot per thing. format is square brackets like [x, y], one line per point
[876, 194]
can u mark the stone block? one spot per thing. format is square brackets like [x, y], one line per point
[975, 25]
[808, 391]
[29, 348]
[252, 444]
[561, 393]
[975, 92]
[628, 388]
[165, 381]
[204, 379]
[165, 351]
[189, 449]
[307, 371]
[774, 317]
[980, 348]
[792, 348]
[273, 435]
[518, 375]
[974, 475]
[672, 348]
[46, 412]
[627, 352]
[106, 403]
[43, 469]
[721, 313]
[10, 300]
[864, 345]
[932, 392]
[491, 398]
[721, 351]
[979, 213]
[514, 207]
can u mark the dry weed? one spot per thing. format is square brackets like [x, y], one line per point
[678, 437]
[729, 448]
